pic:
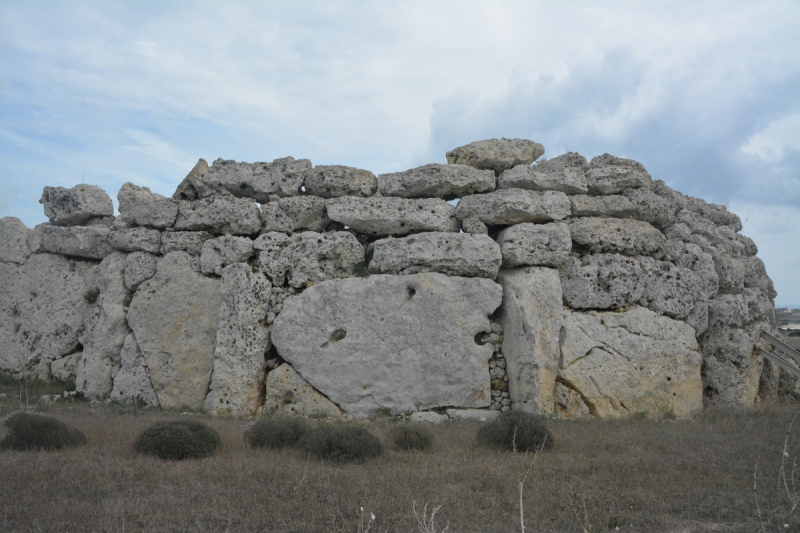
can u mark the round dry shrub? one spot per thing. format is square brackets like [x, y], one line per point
[411, 437]
[176, 440]
[341, 443]
[28, 431]
[515, 429]
[275, 433]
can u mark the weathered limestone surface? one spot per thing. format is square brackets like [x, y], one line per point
[136, 239]
[139, 267]
[625, 236]
[612, 205]
[140, 206]
[174, 316]
[671, 290]
[514, 206]
[333, 181]
[691, 256]
[437, 181]
[565, 173]
[132, 382]
[242, 342]
[13, 241]
[220, 215]
[535, 244]
[294, 214]
[454, 254]
[730, 271]
[568, 403]
[612, 175]
[289, 394]
[70, 207]
[88, 242]
[496, 154]
[223, 251]
[531, 316]
[190, 242]
[601, 281]
[406, 343]
[632, 362]
[66, 368]
[392, 216]
[650, 207]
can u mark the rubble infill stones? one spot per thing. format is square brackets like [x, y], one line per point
[565, 173]
[454, 254]
[71, 207]
[393, 216]
[140, 206]
[514, 206]
[333, 181]
[625, 236]
[220, 215]
[496, 154]
[535, 244]
[437, 181]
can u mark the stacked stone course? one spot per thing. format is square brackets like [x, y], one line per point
[564, 287]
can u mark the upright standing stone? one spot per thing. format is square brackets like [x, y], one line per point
[132, 383]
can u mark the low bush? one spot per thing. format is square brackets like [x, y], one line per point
[176, 440]
[275, 433]
[341, 443]
[28, 431]
[411, 437]
[516, 430]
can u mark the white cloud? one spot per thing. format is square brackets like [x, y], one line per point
[771, 143]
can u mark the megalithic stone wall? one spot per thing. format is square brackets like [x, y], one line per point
[565, 287]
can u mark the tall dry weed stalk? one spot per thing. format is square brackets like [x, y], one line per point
[427, 523]
[781, 514]
[523, 470]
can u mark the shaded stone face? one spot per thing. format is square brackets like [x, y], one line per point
[70, 207]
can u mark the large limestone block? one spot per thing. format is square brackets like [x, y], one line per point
[136, 240]
[43, 311]
[405, 343]
[632, 362]
[756, 276]
[671, 290]
[612, 175]
[718, 214]
[14, 241]
[190, 242]
[612, 205]
[174, 316]
[739, 310]
[294, 214]
[139, 267]
[568, 403]
[223, 251]
[531, 316]
[333, 181]
[697, 224]
[535, 244]
[437, 181]
[732, 365]
[289, 394]
[220, 215]
[308, 257]
[731, 273]
[141, 207]
[242, 342]
[565, 173]
[393, 216]
[71, 207]
[514, 206]
[601, 281]
[192, 186]
[624, 236]
[106, 329]
[88, 242]
[496, 154]
[691, 256]
[132, 383]
[650, 207]
[454, 254]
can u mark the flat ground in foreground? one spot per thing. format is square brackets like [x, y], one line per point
[635, 474]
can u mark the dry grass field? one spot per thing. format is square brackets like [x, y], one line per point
[634, 474]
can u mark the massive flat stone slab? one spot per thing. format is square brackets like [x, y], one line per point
[602, 281]
[437, 181]
[92, 242]
[405, 343]
[333, 181]
[393, 216]
[514, 206]
[220, 215]
[624, 236]
[70, 207]
[565, 173]
[535, 244]
[294, 213]
[608, 174]
[496, 154]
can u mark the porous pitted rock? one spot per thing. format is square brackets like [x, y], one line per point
[294, 214]
[106, 329]
[136, 239]
[535, 244]
[650, 207]
[193, 182]
[612, 175]
[731, 273]
[568, 403]
[333, 181]
[242, 342]
[132, 383]
[674, 291]
[66, 368]
[393, 216]
[437, 181]
[565, 173]
[14, 241]
[90, 242]
[612, 205]
[308, 257]
[624, 236]
[139, 267]
[718, 214]
[174, 316]
[691, 256]
[601, 281]
[404, 343]
[514, 206]
[223, 251]
[475, 226]
[141, 207]
[496, 154]
[531, 316]
[739, 310]
[756, 276]
[289, 394]
[220, 215]
[454, 254]
[632, 362]
[273, 218]
[190, 242]
[71, 207]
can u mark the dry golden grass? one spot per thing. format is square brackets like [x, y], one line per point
[638, 475]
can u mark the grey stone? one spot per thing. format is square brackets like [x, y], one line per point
[192, 185]
[612, 175]
[535, 244]
[474, 226]
[625, 236]
[601, 206]
[136, 239]
[132, 382]
[731, 273]
[718, 214]
[190, 242]
[514, 206]
[220, 215]
[601, 281]
[333, 181]
[309, 257]
[71, 207]
[274, 218]
[496, 154]
[174, 316]
[223, 251]
[677, 200]
[241, 344]
[139, 267]
[565, 173]
[691, 256]
[66, 368]
[428, 417]
[739, 310]
[454, 254]
[294, 214]
[393, 216]
[674, 291]
[437, 181]
[14, 241]
[568, 403]
[405, 343]
[756, 276]
[89, 243]
[289, 394]
[697, 224]
[678, 232]
[141, 207]
[650, 207]
[472, 414]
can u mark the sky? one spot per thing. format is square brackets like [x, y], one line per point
[705, 94]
